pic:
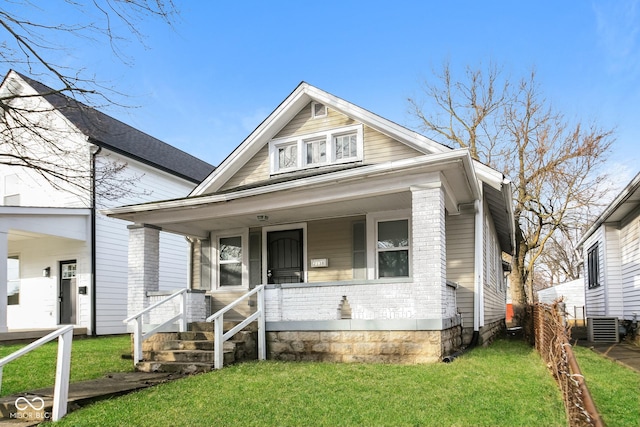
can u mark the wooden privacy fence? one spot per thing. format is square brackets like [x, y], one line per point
[551, 338]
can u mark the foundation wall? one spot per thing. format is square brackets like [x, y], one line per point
[404, 347]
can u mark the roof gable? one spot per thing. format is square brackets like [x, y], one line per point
[112, 134]
[287, 111]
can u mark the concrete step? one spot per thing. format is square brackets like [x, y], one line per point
[204, 356]
[177, 345]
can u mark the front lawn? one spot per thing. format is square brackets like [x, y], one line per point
[506, 384]
[90, 358]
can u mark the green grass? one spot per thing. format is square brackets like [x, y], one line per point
[615, 388]
[506, 384]
[90, 358]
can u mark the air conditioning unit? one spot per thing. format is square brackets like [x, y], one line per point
[602, 329]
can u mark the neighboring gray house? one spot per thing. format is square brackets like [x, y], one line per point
[375, 243]
[66, 262]
[611, 251]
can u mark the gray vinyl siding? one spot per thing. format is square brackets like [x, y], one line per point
[495, 298]
[460, 261]
[331, 239]
[303, 123]
[255, 170]
[630, 252]
[379, 148]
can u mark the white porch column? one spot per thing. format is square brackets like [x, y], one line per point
[4, 254]
[428, 248]
[144, 264]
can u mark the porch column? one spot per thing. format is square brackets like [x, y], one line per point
[428, 248]
[4, 254]
[144, 263]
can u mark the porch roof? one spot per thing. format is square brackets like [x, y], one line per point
[341, 192]
[29, 222]
[345, 192]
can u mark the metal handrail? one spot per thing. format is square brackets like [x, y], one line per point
[218, 322]
[63, 365]
[139, 336]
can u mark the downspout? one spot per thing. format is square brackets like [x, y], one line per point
[478, 270]
[95, 150]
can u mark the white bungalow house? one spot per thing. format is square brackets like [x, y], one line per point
[67, 263]
[374, 242]
[611, 253]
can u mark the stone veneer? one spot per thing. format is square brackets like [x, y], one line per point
[408, 347]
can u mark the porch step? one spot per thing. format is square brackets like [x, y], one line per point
[193, 351]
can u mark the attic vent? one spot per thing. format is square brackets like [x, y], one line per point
[603, 329]
[318, 110]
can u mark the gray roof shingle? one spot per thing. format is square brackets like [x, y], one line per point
[112, 134]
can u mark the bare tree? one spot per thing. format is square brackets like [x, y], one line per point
[33, 46]
[553, 163]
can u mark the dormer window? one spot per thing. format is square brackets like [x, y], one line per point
[318, 110]
[341, 145]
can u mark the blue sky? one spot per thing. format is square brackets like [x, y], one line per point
[206, 84]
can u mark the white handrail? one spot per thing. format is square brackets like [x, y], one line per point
[138, 336]
[61, 388]
[218, 322]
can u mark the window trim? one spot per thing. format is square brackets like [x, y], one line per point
[313, 110]
[372, 241]
[301, 142]
[244, 241]
[593, 268]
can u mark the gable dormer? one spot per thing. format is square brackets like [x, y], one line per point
[312, 130]
[317, 137]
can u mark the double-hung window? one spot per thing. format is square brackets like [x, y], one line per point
[340, 145]
[230, 261]
[393, 248]
[593, 267]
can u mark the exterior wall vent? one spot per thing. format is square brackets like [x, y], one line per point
[602, 329]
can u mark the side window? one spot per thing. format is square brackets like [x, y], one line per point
[230, 261]
[593, 267]
[359, 250]
[392, 248]
[13, 280]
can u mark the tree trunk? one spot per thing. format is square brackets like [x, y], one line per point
[517, 280]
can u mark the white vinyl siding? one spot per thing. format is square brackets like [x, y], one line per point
[630, 251]
[112, 239]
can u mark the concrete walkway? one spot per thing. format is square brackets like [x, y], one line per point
[624, 353]
[80, 394]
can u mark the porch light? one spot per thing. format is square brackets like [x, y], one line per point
[262, 217]
[46, 272]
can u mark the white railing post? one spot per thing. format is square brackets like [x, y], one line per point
[137, 341]
[0, 378]
[262, 347]
[218, 342]
[183, 311]
[63, 369]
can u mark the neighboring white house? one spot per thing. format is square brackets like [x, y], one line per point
[611, 252]
[572, 294]
[332, 207]
[67, 263]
